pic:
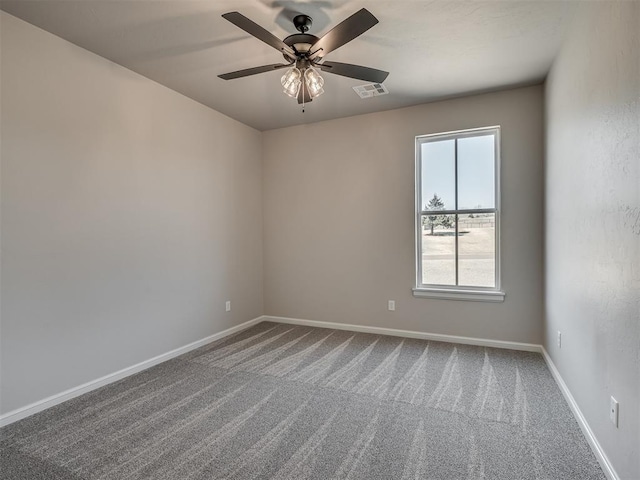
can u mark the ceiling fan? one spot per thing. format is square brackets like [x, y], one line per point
[304, 53]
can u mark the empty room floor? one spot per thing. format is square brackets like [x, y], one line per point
[291, 402]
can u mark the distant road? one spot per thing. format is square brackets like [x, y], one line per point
[475, 256]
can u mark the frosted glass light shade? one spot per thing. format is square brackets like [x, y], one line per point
[291, 82]
[314, 82]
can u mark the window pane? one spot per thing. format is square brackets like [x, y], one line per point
[438, 175]
[476, 174]
[476, 250]
[438, 249]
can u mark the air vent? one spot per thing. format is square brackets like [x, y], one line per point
[371, 90]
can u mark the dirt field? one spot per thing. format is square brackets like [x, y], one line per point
[475, 260]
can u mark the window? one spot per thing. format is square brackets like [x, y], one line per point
[458, 215]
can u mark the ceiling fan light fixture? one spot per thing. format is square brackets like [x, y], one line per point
[291, 82]
[314, 82]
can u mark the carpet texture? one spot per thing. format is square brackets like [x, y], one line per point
[289, 402]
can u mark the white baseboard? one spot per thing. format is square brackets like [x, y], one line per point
[58, 398]
[483, 342]
[602, 458]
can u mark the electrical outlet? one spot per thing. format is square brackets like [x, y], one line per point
[227, 306]
[613, 411]
[392, 305]
[559, 339]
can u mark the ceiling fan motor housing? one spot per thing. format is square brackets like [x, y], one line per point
[301, 43]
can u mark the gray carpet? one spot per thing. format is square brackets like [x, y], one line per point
[285, 402]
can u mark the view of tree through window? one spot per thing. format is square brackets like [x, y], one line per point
[457, 210]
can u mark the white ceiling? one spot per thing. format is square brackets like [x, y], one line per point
[432, 49]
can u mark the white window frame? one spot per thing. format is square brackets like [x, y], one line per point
[456, 292]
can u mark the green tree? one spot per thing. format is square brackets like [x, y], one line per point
[432, 221]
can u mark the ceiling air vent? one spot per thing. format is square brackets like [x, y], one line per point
[371, 90]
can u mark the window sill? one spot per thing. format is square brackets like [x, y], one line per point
[466, 295]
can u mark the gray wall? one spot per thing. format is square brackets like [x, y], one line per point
[593, 222]
[339, 218]
[129, 215]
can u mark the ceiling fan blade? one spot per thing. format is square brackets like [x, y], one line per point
[344, 32]
[305, 92]
[354, 71]
[253, 71]
[257, 31]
